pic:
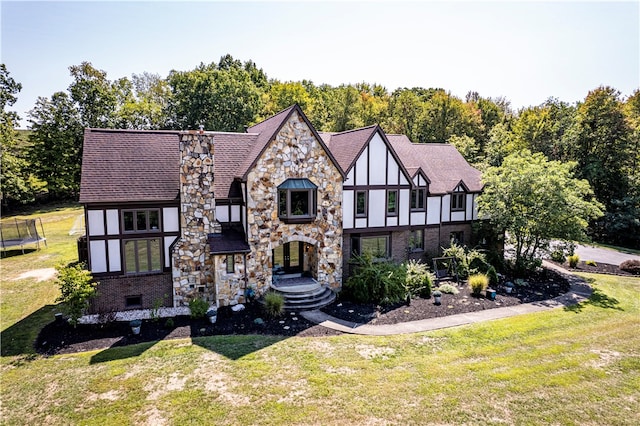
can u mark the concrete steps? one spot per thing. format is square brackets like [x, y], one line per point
[304, 296]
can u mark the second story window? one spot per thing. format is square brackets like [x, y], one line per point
[418, 199]
[141, 220]
[392, 203]
[361, 203]
[297, 200]
[457, 201]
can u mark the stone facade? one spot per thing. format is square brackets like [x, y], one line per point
[229, 286]
[295, 153]
[193, 267]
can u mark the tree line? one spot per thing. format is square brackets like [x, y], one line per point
[600, 134]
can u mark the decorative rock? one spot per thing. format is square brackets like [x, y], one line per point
[237, 308]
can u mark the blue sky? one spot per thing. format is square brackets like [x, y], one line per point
[524, 51]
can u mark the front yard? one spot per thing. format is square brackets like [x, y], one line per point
[579, 365]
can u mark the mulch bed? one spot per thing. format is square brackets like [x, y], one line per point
[59, 337]
[598, 268]
[543, 285]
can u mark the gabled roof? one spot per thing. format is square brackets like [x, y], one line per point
[129, 165]
[230, 151]
[267, 131]
[443, 165]
[348, 146]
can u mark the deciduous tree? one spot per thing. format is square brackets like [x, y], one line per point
[534, 200]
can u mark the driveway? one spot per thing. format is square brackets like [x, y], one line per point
[604, 255]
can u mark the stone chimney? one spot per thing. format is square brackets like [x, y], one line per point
[192, 265]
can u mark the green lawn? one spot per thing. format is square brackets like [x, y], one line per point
[572, 366]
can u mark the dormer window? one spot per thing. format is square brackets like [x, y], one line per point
[458, 198]
[297, 201]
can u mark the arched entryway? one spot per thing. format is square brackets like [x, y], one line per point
[294, 257]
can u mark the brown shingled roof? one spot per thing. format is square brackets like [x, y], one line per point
[128, 165]
[444, 166]
[347, 146]
[230, 151]
[267, 131]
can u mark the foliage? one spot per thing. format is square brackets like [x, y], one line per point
[198, 307]
[273, 304]
[77, 288]
[469, 261]
[492, 274]
[418, 279]
[376, 282]
[533, 201]
[573, 260]
[18, 184]
[448, 289]
[632, 266]
[558, 256]
[157, 304]
[57, 144]
[221, 96]
[478, 283]
[590, 262]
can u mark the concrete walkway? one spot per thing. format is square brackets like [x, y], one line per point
[578, 292]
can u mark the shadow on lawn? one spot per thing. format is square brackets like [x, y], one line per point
[598, 299]
[16, 252]
[18, 338]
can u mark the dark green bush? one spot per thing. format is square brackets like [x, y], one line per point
[376, 282]
[493, 275]
[469, 261]
[198, 308]
[558, 256]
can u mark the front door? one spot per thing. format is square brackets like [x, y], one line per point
[288, 258]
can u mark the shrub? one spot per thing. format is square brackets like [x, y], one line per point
[376, 282]
[468, 261]
[273, 304]
[631, 266]
[591, 263]
[198, 308]
[493, 275]
[168, 323]
[76, 290]
[448, 289]
[558, 256]
[418, 279]
[573, 260]
[478, 283]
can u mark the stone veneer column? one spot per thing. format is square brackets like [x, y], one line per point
[192, 265]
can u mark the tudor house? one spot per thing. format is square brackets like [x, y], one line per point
[172, 216]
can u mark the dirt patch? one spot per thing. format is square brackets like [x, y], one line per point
[44, 274]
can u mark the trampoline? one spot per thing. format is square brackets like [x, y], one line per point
[21, 232]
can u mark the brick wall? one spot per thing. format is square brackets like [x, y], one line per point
[112, 292]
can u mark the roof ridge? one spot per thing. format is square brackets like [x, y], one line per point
[352, 130]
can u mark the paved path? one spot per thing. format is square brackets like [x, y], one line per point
[604, 255]
[578, 292]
